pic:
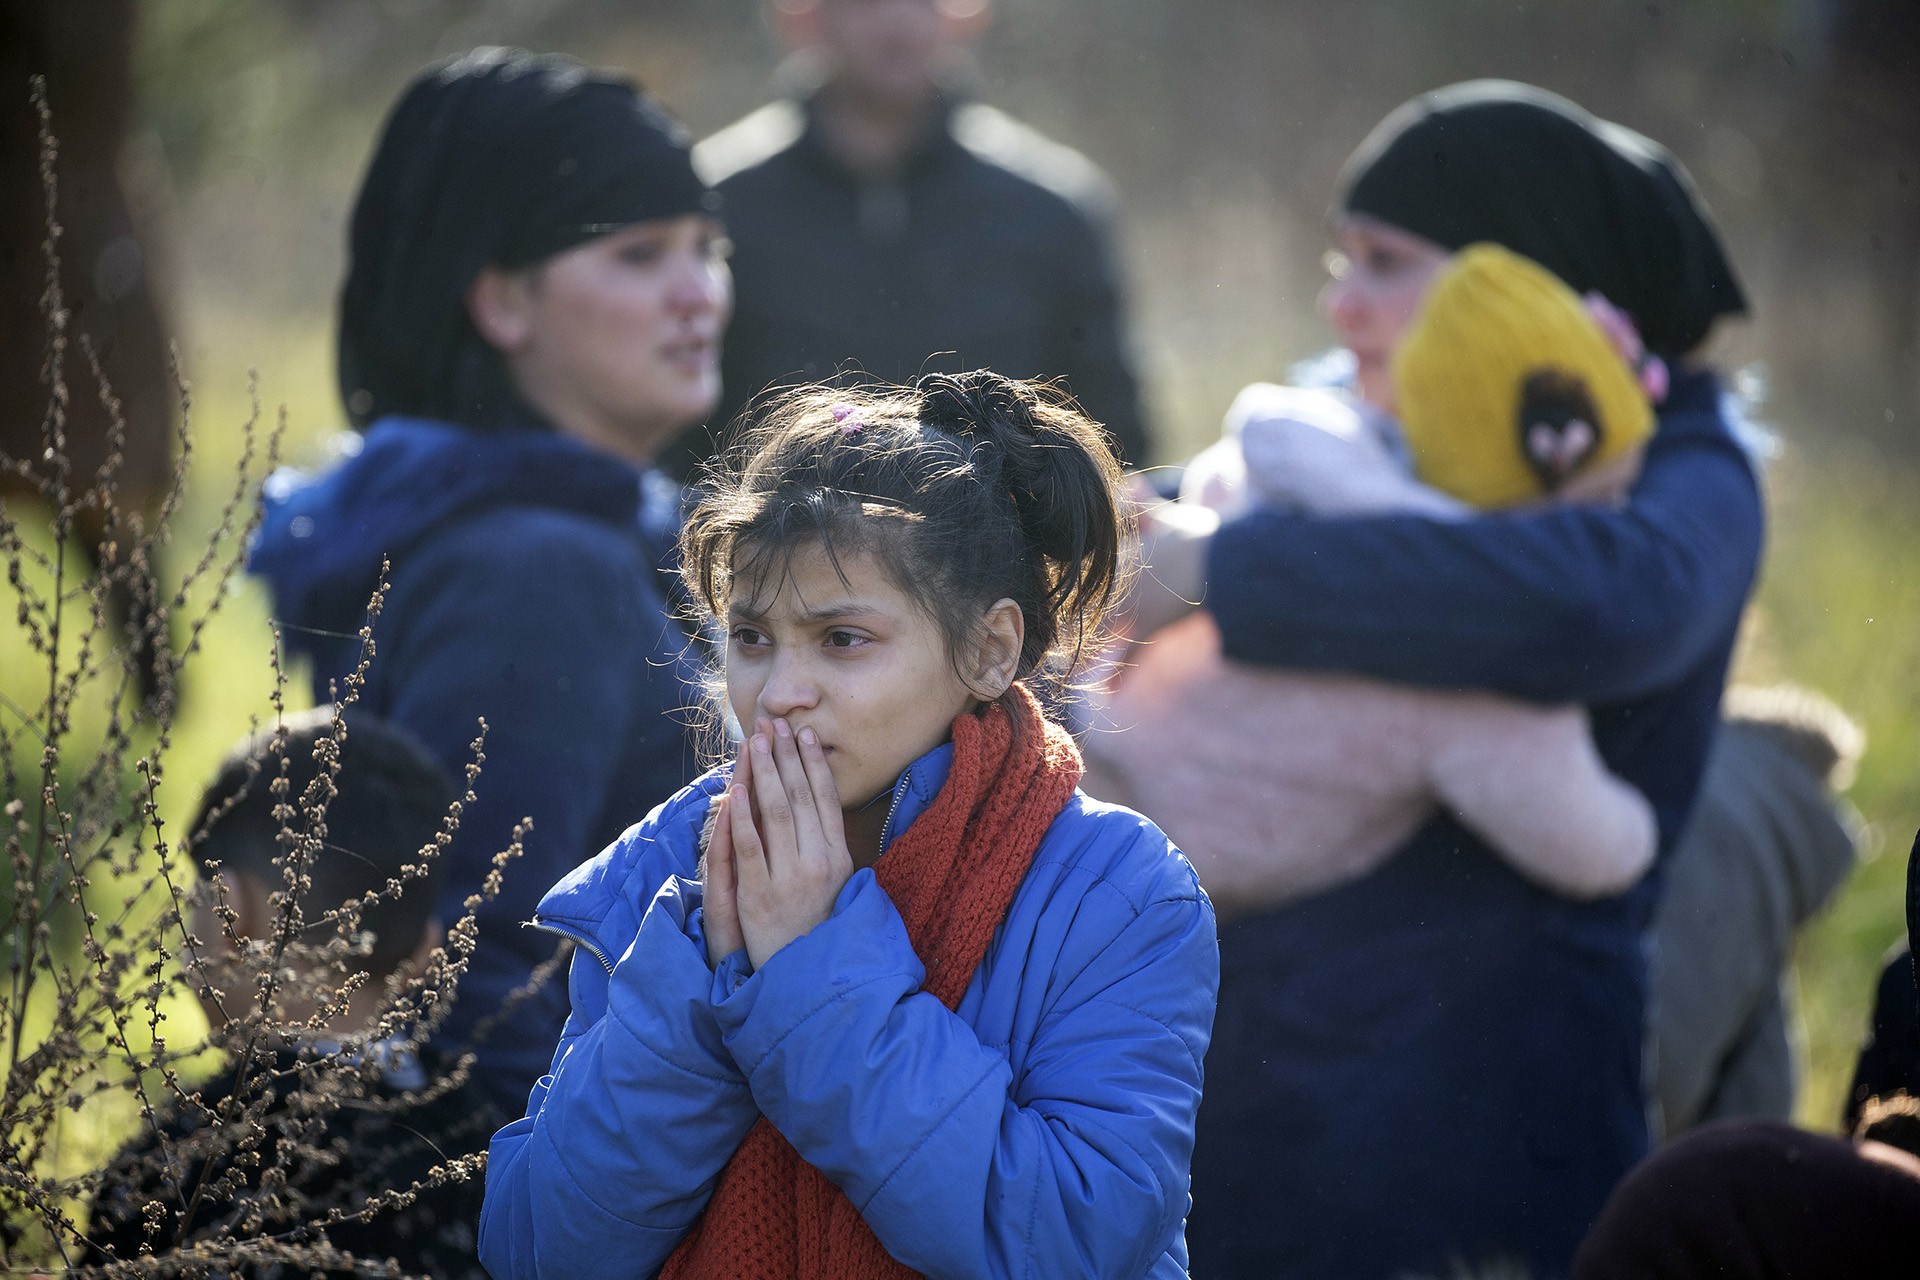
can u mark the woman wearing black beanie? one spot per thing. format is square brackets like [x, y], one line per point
[1440, 1065]
[534, 297]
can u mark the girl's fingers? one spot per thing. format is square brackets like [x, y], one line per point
[826, 796]
[721, 904]
[775, 819]
[802, 800]
[749, 854]
[717, 871]
[801, 870]
[743, 764]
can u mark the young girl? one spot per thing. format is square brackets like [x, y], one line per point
[889, 994]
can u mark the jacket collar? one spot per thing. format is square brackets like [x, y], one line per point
[914, 791]
[322, 538]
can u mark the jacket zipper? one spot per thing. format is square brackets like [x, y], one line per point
[886, 827]
[578, 939]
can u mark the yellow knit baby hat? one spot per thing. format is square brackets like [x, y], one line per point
[1507, 387]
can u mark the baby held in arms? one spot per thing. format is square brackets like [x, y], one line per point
[1278, 784]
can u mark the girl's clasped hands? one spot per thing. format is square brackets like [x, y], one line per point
[777, 857]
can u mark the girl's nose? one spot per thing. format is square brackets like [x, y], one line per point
[790, 687]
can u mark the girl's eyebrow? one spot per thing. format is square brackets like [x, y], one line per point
[840, 612]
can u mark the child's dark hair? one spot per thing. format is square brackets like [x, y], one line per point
[392, 797]
[968, 488]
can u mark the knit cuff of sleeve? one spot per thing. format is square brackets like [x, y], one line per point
[849, 969]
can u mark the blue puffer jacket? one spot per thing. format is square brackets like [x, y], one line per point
[1043, 1129]
[527, 588]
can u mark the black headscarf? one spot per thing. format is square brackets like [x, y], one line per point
[494, 158]
[1598, 205]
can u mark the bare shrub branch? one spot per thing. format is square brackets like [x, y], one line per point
[232, 1133]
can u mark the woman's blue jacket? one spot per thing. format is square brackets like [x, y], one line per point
[527, 587]
[1042, 1129]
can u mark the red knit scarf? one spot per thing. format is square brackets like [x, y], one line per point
[952, 876]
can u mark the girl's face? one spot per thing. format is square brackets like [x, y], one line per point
[617, 340]
[850, 656]
[1381, 274]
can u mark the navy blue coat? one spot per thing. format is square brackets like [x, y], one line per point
[527, 588]
[1441, 1060]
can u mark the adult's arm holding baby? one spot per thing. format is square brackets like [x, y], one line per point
[1564, 604]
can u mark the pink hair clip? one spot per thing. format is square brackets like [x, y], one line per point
[849, 425]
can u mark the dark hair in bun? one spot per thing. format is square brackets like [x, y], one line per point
[968, 488]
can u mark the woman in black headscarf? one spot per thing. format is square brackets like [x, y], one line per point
[1441, 1063]
[533, 304]
[1603, 208]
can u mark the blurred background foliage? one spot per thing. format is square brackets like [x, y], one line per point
[1223, 124]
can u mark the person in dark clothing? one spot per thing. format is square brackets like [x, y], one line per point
[357, 1111]
[533, 306]
[885, 226]
[1441, 1036]
[1890, 1060]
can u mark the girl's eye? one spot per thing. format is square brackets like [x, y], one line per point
[640, 253]
[747, 636]
[845, 640]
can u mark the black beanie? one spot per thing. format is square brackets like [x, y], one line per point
[496, 157]
[1598, 205]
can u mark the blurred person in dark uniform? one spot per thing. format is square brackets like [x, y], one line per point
[885, 225]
